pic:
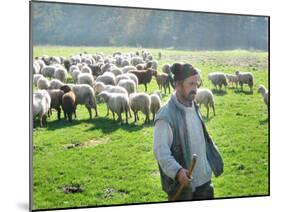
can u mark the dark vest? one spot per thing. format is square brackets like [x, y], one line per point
[180, 149]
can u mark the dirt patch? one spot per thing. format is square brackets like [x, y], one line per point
[72, 189]
[108, 192]
[94, 142]
[90, 143]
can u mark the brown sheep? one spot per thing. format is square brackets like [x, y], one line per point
[56, 100]
[163, 81]
[68, 102]
[144, 76]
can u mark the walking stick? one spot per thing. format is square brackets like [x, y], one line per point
[179, 190]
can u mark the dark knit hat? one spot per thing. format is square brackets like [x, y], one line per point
[182, 71]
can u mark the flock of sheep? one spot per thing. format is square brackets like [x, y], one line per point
[114, 79]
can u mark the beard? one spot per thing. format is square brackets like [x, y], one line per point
[190, 96]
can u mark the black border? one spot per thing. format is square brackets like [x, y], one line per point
[31, 90]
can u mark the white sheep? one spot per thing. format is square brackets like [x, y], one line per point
[117, 103]
[116, 71]
[86, 69]
[55, 84]
[85, 95]
[75, 73]
[36, 68]
[128, 84]
[36, 77]
[245, 78]
[121, 76]
[43, 83]
[41, 105]
[128, 68]
[85, 78]
[60, 74]
[206, 97]
[218, 78]
[48, 71]
[72, 68]
[133, 77]
[140, 102]
[107, 78]
[232, 78]
[264, 92]
[155, 104]
[136, 60]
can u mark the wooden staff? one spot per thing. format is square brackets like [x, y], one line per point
[178, 192]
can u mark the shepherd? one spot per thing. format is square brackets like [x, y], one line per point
[180, 133]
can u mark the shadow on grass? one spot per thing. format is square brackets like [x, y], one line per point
[219, 92]
[265, 121]
[108, 125]
[244, 92]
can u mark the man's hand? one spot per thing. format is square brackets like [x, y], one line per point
[182, 177]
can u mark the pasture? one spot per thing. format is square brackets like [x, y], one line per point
[98, 162]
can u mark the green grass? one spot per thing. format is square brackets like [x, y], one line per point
[114, 164]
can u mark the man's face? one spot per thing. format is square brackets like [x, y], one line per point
[188, 88]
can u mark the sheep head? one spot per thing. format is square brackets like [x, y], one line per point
[65, 88]
[104, 95]
[261, 89]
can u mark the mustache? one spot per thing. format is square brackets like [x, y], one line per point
[192, 92]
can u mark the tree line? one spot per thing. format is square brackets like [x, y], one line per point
[76, 25]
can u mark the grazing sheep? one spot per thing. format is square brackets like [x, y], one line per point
[85, 95]
[75, 75]
[264, 92]
[155, 104]
[36, 77]
[68, 102]
[141, 66]
[35, 68]
[107, 78]
[206, 97]
[86, 69]
[100, 86]
[121, 76]
[41, 105]
[85, 78]
[232, 78]
[218, 78]
[144, 76]
[136, 60]
[72, 68]
[117, 103]
[43, 83]
[133, 77]
[125, 62]
[60, 74]
[105, 67]
[163, 81]
[154, 65]
[67, 64]
[56, 100]
[128, 84]
[116, 71]
[245, 78]
[96, 70]
[128, 68]
[55, 84]
[48, 71]
[140, 102]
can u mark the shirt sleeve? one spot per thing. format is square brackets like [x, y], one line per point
[163, 137]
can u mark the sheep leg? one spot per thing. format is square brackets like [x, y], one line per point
[59, 112]
[169, 88]
[145, 87]
[135, 115]
[126, 117]
[213, 109]
[207, 111]
[75, 106]
[96, 110]
[107, 109]
[90, 111]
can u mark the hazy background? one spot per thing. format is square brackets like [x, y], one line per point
[76, 25]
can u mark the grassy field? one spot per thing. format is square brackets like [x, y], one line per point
[112, 164]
